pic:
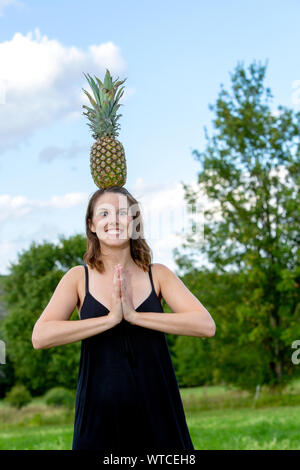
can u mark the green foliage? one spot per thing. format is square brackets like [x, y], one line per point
[60, 396]
[250, 173]
[18, 396]
[193, 361]
[27, 291]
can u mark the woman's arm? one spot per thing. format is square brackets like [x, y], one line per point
[191, 323]
[53, 328]
[49, 333]
[190, 317]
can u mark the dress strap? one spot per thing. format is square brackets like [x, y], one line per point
[86, 279]
[150, 275]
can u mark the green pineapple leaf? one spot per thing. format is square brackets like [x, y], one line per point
[93, 87]
[102, 116]
[107, 80]
[93, 102]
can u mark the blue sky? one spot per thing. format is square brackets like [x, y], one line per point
[174, 55]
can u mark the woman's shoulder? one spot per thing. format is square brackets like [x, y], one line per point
[76, 269]
[76, 272]
[159, 266]
[161, 271]
[77, 276]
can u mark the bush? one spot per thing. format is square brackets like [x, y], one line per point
[60, 396]
[18, 396]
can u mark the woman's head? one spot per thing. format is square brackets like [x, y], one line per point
[113, 208]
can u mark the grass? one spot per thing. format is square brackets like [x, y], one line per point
[220, 397]
[39, 438]
[246, 429]
[218, 417]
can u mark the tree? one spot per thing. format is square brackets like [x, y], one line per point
[27, 290]
[250, 173]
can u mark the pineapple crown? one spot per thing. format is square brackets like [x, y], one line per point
[105, 103]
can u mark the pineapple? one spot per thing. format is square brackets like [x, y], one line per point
[107, 155]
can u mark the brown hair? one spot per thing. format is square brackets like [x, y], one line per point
[139, 248]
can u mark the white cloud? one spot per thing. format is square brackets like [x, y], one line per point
[107, 54]
[67, 200]
[165, 212]
[161, 196]
[41, 81]
[11, 248]
[7, 3]
[7, 255]
[13, 207]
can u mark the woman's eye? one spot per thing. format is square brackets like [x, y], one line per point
[105, 212]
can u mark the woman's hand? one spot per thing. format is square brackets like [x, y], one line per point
[116, 312]
[129, 312]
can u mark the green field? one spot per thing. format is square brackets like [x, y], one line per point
[217, 417]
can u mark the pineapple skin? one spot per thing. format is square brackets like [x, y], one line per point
[108, 163]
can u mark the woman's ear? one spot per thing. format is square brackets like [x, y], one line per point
[91, 226]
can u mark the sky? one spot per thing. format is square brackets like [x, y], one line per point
[174, 55]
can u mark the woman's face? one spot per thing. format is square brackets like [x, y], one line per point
[111, 217]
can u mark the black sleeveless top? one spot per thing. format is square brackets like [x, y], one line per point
[127, 396]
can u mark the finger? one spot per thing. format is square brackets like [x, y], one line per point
[119, 286]
[122, 288]
[116, 283]
[120, 280]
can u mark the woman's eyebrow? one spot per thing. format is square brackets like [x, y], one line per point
[106, 209]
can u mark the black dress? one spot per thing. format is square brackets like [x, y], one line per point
[127, 396]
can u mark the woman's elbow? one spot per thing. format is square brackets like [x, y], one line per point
[35, 343]
[36, 340]
[212, 329]
[207, 331]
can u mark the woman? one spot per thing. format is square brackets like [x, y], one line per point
[127, 395]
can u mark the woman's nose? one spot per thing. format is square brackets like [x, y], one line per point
[114, 218]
